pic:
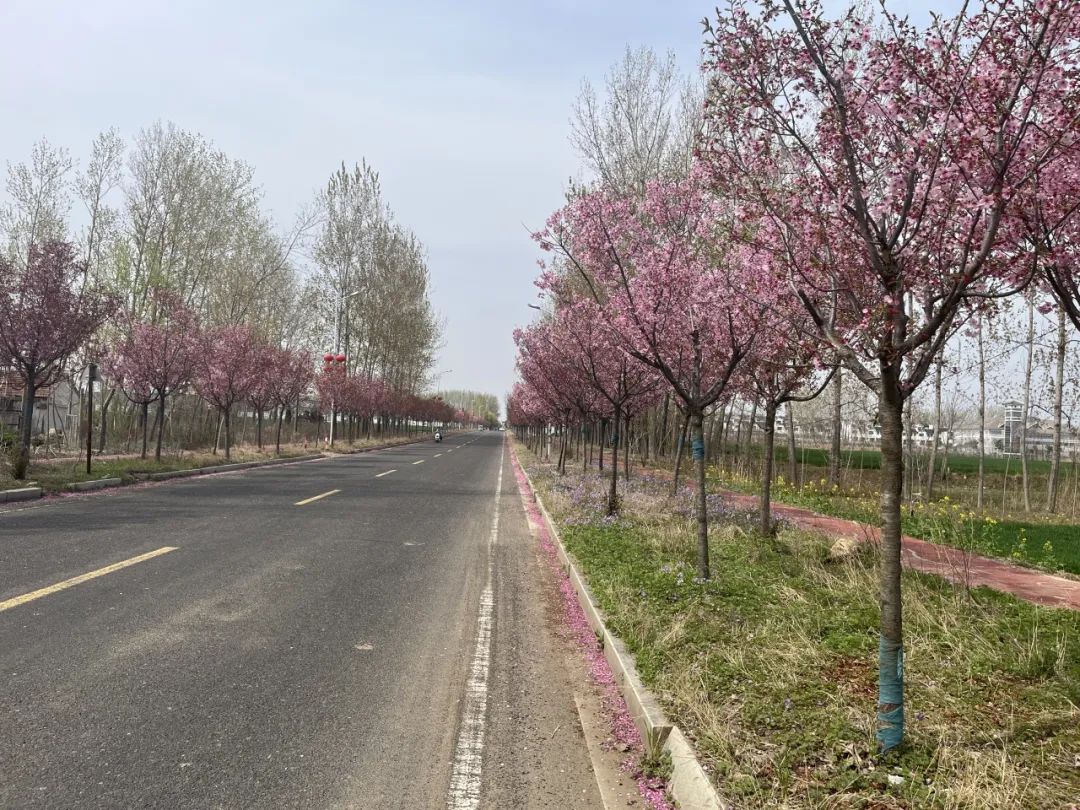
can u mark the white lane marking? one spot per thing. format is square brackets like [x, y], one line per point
[421, 461]
[464, 793]
[437, 455]
[380, 475]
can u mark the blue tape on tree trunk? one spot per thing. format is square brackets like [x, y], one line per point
[699, 449]
[890, 723]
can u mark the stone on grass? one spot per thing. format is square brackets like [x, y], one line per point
[843, 548]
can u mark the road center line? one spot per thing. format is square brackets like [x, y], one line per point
[15, 601]
[464, 793]
[317, 497]
[437, 455]
[380, 475]
[421, 461]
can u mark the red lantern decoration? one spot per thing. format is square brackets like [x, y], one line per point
[341, 358]
[328, 358]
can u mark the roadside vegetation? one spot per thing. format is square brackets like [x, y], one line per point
[1039, 540]
[769, 664]
[54, 475]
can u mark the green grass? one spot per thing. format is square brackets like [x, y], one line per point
[55, 476]
[1053, 546]
[959, 463]
[770, 667]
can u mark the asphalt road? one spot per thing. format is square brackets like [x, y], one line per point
[285, 652]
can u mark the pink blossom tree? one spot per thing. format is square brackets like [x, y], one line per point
[163, 353]
[672, 290]
[225, 371]
[886, 166]
[293, 374]
[123, 365]
[262, 393]
[555, 382]
[48, 310]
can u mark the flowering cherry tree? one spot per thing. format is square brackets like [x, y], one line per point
[225, 371]
[47, 311]
[262, 393]
[162, 353]
[671, 290]
[123, 366]
[887, 166]
[552, 382]
[293, 373]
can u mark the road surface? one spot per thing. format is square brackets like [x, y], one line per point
[368, 631]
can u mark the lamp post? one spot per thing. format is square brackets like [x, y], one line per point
[331, 363]
[336, 355]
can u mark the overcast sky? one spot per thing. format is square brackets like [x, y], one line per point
[463, 108]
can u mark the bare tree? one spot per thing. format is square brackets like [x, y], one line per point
[644, 127]
[40, 200]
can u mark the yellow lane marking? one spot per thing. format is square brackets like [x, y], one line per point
[15, 601]
[380, 475]
[421, 461]
[317, 497]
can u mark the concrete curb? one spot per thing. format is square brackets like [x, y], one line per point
[21, 494]
[688, 784]
[221, 468]
[87, 486]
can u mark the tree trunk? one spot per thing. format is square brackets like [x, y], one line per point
[750, 434]
[277, 438]
[104, 432]
[603, 437]
[767, 469]
[907, 484]
[259, 425]
[792, 450]
[834, 446]
[626, 447]
[161, 426]
[930, 467]
[1059, 385]
[145, 426]
[679, 452]
[890, 718]
[613, 495]
[661, 445]
[228, 433]
[1027, 404]
[26, 429]
[982, 418]
[702, 507]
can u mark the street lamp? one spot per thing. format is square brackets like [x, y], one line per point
[336, 355]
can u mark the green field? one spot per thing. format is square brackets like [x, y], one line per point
[961, 464]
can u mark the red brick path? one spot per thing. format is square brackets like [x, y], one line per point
[953, 564]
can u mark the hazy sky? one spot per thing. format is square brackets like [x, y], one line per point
[463, 108]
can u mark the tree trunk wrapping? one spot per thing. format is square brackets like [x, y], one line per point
[890, 716]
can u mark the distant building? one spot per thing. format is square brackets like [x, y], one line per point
[56, 407]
